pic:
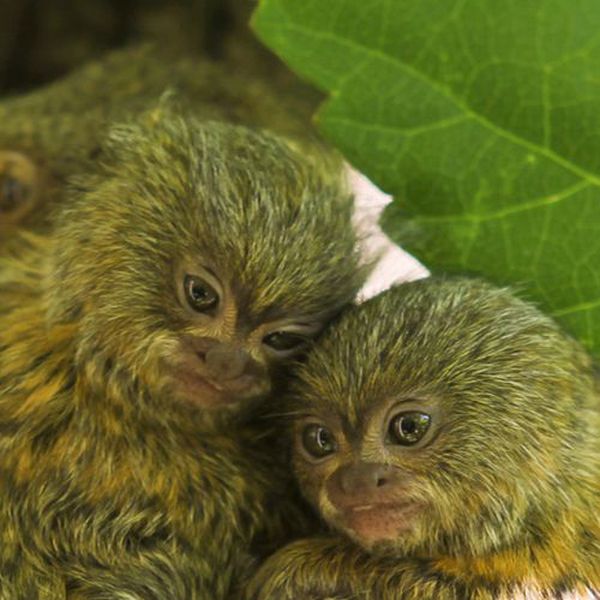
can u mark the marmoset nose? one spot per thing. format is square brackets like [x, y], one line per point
[226, 361]
[363, 477]
[364, 482]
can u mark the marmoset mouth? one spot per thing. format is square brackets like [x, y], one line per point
[206, 393]
[375, 522]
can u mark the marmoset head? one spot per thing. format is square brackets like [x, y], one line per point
[202, 256]
[441, 418]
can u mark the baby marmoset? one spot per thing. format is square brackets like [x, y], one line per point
[50, 134]
[452, 432]
[185, 269]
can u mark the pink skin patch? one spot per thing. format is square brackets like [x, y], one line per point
[394, 264]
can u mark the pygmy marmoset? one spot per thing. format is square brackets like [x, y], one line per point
[451, 433]
[190, 261]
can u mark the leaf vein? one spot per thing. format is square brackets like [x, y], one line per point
[449, 95]
[409, 131]
[585, 307]
[523, 207]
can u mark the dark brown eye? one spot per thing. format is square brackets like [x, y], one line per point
[201, 296]
[318, 441]
[284, 340]
[13, 193]
[408, 428]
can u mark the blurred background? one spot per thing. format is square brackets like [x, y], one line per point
[40, 40]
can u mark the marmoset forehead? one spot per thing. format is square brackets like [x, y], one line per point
[459, 341]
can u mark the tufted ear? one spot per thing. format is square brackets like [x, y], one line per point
[166, 107]
[120, 141]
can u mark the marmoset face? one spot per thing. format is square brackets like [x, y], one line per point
[227, 352]
[366, 476]
[431, 420]
[203, 257]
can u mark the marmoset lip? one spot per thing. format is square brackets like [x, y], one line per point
[380, 520]
[374, 505]
[201, 391]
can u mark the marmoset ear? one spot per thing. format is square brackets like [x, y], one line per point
[121, 139]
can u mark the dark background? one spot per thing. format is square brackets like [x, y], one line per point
[40, 40]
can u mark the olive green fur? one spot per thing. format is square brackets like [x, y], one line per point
[519, 446]
[61, 127]
[277, 221]
[109, 488]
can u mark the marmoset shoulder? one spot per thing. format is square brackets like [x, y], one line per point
[450, 432]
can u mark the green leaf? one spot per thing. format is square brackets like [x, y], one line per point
[482, 118]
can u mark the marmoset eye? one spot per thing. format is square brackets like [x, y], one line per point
[283, 341]
[200, 295]
[408, 428]
[13, 193]
[318, 441]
